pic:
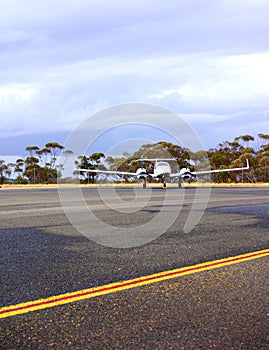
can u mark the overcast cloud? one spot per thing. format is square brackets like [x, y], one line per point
[63, 60]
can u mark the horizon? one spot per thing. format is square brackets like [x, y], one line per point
[119, 152]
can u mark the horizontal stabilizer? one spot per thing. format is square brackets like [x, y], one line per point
[156, 159]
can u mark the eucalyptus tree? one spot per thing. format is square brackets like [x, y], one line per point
[245, 139]
[10, 169]
[19, 169]
[43, 154]
[83, 162]
[3, 169]
[54, 150]
[32, 150]
[263, 159]
[31, 164]
[19, 166]
[32, 169]
[90, 163]
[264, 137]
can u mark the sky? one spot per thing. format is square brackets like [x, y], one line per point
[62, 61]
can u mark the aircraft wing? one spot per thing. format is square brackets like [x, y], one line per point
[204, 172]
[175, 175]
[97, 171]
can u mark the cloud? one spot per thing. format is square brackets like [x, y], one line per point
[62, 61]
[219, 85]
[64, 96]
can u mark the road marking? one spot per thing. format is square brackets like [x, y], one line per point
[66, 298]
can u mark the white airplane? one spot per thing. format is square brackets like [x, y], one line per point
[162, 171]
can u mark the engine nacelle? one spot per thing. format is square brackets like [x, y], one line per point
[187, 177]
[186, 174]
[141, 173]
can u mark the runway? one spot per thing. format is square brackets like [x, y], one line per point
[44, 256]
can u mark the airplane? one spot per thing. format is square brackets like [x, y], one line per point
[162, 171]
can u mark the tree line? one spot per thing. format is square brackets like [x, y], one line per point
[40, 165]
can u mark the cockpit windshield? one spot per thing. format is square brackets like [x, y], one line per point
[162, 164]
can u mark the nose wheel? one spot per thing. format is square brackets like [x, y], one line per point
[180, 183]
[163, 182]
[144, 183]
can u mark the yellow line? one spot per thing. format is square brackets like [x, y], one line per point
[66, 298]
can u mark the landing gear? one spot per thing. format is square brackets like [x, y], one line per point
[180, 183]
[163, 180]
[144, 181]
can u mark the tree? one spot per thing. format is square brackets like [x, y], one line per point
[89, 162]
[264, 137]
[8, 172]
[19, 170]
[109, 160]
[84, 162]
[96, 158]
[3, 169]
[41, 164]
[245, 138]
[54, 149]
[32, 150]
[31, 169]
[200, 159]
[42, 154]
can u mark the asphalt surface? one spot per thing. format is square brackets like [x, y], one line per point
[43, 255]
